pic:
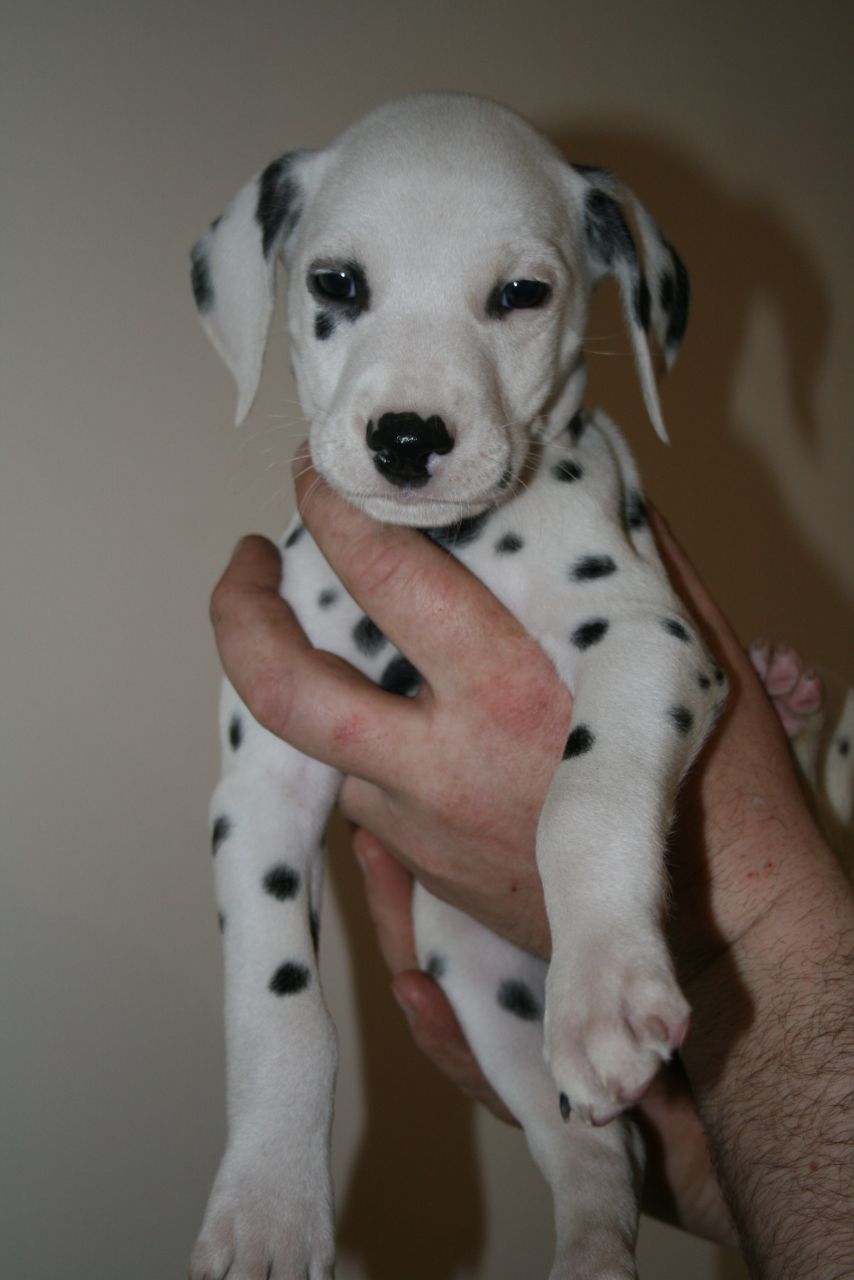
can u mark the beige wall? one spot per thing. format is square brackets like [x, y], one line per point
[122, 486]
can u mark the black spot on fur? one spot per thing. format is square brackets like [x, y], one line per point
[589, 633]
[565, 1108]
[607, 231]
[294, 536]
[200, 278]
[220, 921]
[567, 470]
[235, 731]
[459, 534]
[314, 929]
[324, 325]
[718, 674]
[675, 297]
[509, 543]
[843, 746]
[589, 568]
[400, 677]
[327, 597]
[703, 680]
[506, 477]
[436, 966]
[289, 979]
[282, 882]
[369, 639]
[641, 303]
[278, 204]
[682, 718]
[576, 426]
[579, 742]
[675, 628]
[221, 831]
[634, 510]
[517, 998]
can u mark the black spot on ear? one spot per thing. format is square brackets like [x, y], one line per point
[294, 536]
[565, 1108]
[324, 325]
[221, 831]
[567, 470]
[235, 731]
[289, 979]
[459, 534]
[641, 303]
[703, 680]
[843, 746]
[282, 882]
[314, 929]
[579, 742]
[509, 543]
[589, 633]
[400, 677]
[517, 998]
[682, 718]
[436, 966]
[221, 921]
[200, 278]
[327, 597]
[675, 297]
[675, 628]
[589, 568]
[278, 205]
[576, 426]
[607, 231]
[368, 637]
[635, 513]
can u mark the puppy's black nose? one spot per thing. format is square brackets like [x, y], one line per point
[402, 444]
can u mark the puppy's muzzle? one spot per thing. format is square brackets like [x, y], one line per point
[404, 443]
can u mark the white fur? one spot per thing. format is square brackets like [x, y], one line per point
[439, 199]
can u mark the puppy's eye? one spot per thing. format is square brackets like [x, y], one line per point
[334, 286]
[521, 295]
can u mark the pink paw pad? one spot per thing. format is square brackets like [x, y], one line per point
[796, 692]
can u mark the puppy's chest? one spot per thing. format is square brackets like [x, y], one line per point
[565, 554]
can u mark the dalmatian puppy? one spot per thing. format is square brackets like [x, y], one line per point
[441, 255]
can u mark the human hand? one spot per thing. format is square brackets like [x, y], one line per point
[462, 815]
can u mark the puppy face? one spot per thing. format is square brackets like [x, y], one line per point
[434, 279]
[441, 256]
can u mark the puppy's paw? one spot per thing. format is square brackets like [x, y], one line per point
[609, 1026]
[265, 1222]
[795, 690]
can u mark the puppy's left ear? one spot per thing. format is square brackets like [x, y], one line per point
[654, 284]
[233, 267]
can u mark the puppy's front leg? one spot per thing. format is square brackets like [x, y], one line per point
[270, 1210]
[645, 697]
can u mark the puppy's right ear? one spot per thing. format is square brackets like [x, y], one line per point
[233, 267]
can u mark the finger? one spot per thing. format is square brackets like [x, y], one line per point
[439, 1036]
[388, 887]
[432, 608]
[310, 698]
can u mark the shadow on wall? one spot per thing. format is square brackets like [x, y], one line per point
[716, 492]
[719, 494]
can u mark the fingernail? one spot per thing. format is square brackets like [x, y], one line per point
[407, 1009]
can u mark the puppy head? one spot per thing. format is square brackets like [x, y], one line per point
[441, 256]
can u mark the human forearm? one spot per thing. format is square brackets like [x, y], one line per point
[771, 1064]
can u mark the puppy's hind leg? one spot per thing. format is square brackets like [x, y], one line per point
[594, 1174]
[270, 1210]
